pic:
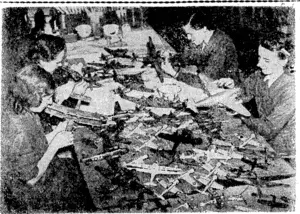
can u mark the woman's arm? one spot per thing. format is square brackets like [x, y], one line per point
[270, 125]
[61, 127]
[61, 139]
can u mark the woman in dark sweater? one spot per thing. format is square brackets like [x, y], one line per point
[210, 49]
[273, 89]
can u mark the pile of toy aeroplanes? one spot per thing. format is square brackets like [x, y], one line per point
[213, 171]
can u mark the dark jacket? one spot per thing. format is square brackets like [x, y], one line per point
[217, 60]
[276, 109]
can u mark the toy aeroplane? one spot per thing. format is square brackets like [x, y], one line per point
[153, 169]
[214, 170]
[150, 142]
[211, 154]
[113, 153]
[184, 176]
[166, 185]
[225, 98]
[137, 129]
[207, 181]
[79, 116]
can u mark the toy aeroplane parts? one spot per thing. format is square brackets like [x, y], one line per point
[153, 57]
[79, 116]
[166, 185]
[161, 196]
[136, 129]
[214, 170]
[153, 169]
[186, 176]
[83, 98]
[227, 99]
[132, 116]
[208, 182]
[150, 142]
[248, 141]
[114, 153]
[185, 206]
[267, 181]
[272, 200]
[212, 154]
[218, 142]
[118, 52]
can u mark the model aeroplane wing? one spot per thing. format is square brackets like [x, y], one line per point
[237, 107]
[225, 98]
[205, 181]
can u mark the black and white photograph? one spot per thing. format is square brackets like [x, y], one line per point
[148, 107]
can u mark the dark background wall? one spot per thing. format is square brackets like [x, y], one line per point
[245, 25]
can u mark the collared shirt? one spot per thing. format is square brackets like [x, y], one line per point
[270, 79]
[206, 39]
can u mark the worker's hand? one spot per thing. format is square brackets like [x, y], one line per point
[62, 139]
[190, 104]
[63, 92]
[225, 83]
[77, 68]
[80, 88]
[62, 126]
[168, 68]
[166, 55]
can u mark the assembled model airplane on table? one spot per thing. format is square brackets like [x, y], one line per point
[153, 169]
[211, 154]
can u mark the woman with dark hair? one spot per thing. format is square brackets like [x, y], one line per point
[49, 52]
[273, 89]
[210, 49]
[30, 181]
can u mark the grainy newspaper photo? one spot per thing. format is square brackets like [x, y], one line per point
[148, 107]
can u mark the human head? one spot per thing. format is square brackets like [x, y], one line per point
[32, 89]
[273, 55]
[48, 51]
[198, 27]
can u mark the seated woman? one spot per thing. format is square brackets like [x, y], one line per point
[27, 183]
[210, 49]
[273, 88]
[49, 52]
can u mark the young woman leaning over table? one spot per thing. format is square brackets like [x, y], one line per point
[273, 88]
[211, 50]
[50, 52]
[33, 178]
